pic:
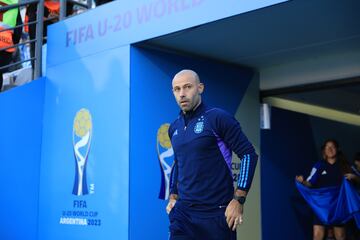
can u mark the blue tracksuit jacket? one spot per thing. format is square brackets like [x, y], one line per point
[203, 141]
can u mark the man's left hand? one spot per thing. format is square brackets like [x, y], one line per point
[234, 214]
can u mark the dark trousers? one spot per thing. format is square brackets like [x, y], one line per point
[5, 59]
[187, 222]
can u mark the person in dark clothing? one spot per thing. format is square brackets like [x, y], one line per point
[354, 177]
[203, 202]
[5, 59]
[51, 15]
[327, 172]
[7, 56]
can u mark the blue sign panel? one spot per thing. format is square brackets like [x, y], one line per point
[85, 150]
[125, 22]
[20, 141]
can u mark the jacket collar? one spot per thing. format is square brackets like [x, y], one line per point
[188, 115]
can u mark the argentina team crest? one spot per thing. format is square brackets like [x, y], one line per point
[199, 126]
[82, 132]
[165, 154]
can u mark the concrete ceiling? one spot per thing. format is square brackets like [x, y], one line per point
[346, 99]
[275, 35]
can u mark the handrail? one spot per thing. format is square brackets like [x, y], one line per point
[16, 63]
[11, 6]
[18, 26]
[18, 44]
[39, 39]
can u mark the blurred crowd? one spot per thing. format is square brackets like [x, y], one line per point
[18, 34]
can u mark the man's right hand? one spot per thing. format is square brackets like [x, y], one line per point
[234, 214]
[171, 204]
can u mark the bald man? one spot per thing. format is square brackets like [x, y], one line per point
[203, 203]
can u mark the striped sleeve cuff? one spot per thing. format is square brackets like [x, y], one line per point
[247, 170]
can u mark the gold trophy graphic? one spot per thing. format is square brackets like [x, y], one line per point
[82, 131]
[166, 158]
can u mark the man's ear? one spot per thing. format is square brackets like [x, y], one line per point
[201, 87]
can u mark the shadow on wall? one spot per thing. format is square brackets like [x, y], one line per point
[287, 150]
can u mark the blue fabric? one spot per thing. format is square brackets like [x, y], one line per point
[333, 205]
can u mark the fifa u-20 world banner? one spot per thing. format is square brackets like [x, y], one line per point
[85, 151]
[80, 213]
[165, 154]
[125, 22]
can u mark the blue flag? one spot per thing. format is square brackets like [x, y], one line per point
[333, 205]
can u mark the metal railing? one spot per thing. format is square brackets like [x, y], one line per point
[36, 60]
